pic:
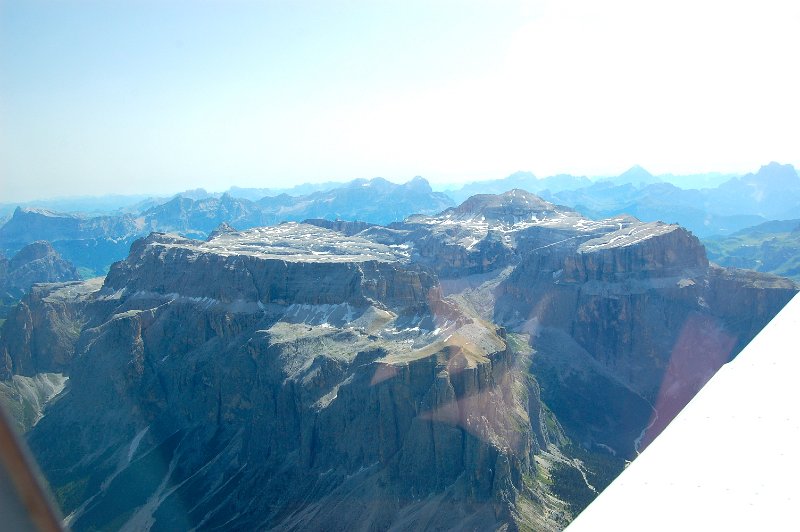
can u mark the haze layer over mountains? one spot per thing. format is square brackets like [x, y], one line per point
[93, 233]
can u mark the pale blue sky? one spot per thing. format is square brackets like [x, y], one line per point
[161, 96]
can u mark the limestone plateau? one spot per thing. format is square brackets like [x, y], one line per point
[489, 367]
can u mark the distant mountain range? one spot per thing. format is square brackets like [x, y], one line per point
[707, 204]
[118, 204]
[772, 193]
[520, 180]
[772, 247]
[731, 204]
[94, 242]
[636, 176]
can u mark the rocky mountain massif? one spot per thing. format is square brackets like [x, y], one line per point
[489, 367]
[709, 205]
[93, 243]
[90, 243]
[34, 263]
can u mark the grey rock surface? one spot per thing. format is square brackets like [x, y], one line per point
[489, 367]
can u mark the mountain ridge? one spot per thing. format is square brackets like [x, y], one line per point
[444, 371]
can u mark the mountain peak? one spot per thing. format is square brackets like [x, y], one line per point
[779, 174]
[194, 194]
[512, 204]
[418, 184]
[637, 168]
[35, 250]
[22, 211]
[38, 262]
[222, 228]
[635, 175]
[379, 181]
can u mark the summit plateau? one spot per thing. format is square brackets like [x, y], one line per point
[488, 367]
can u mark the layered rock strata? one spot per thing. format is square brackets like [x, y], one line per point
[489, 367]
[254, 385]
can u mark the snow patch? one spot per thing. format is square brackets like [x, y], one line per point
[135, 442]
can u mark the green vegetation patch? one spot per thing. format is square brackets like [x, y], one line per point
[87, 273]
[569, 486]
[759, 249]
[601, 468]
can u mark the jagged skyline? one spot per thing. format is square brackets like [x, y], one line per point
[636, 173]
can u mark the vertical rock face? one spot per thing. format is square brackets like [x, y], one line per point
[31, 225]
[644, 251]
[35, 263]
[321, 377]
[624, 297]
[641, 307]
[167, 264]
[40, 332]
[267, 385]
[747, 298]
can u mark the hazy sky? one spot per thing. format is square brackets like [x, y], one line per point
[160, 96]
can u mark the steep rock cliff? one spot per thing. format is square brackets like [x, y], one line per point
[35, 263]
[642, 302]
[486, 368]
[231, 397]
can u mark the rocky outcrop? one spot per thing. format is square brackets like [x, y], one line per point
[221, 229]
[199, 217]
[642, 302]
[321, 376]
[172, 265]
[40, 332]
[35, 263]
[642, 251]
[509, 208]
[259, 408]
[29, 225]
